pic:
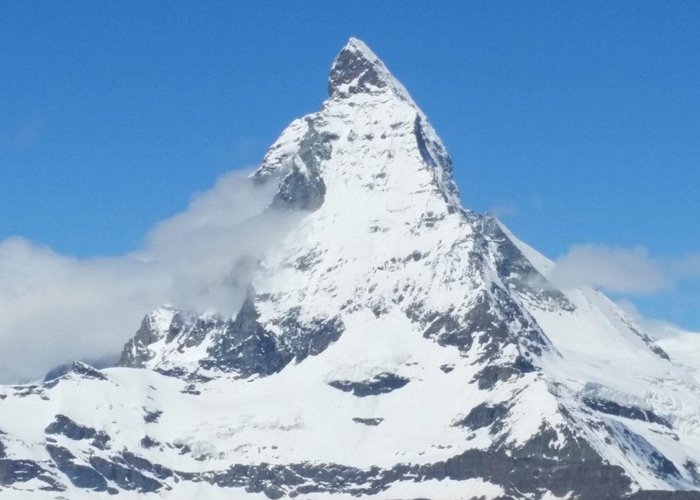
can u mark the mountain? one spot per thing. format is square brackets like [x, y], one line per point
[393, 344]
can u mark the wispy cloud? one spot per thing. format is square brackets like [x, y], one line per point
[504, 210]
[622, 270]
[57, 308]
[511, 209]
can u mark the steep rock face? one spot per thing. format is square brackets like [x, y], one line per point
[392, 344]
[154, 328]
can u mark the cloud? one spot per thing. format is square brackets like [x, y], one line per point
[504, 210]
[511, 209]
[622, 270]
[57, 308]
[688, 267]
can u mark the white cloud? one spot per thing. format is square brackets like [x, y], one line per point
[622, 270]
[57, 308]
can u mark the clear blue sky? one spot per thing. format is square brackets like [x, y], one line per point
[577, 122]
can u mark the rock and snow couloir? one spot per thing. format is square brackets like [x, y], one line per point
[393, 344]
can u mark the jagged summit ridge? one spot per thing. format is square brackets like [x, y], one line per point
[369, 116]
[356, 69]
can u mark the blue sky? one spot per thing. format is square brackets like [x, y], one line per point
[576, 122]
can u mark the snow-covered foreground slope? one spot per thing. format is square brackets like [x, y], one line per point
[392, 345]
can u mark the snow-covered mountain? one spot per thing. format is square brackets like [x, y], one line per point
[393, 344]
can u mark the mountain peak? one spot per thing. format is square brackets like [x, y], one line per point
[369, 138]
[358, 70]
[355, 44]
[434, 355]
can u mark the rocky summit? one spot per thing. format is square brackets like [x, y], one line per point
[393, 344]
